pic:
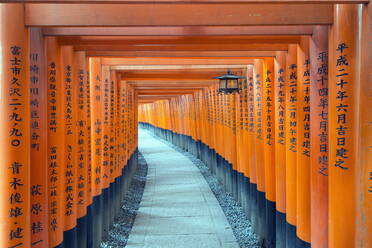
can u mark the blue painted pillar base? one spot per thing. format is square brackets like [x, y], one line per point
[97, 219]
[261, 230]
[70, 238]
[60, 246]
[90, 226]
[291, 238]
[247, 206]
[105, 211]
[82, 231]
[254, 206]
[302, 244]
[280, 239]
[270, 224]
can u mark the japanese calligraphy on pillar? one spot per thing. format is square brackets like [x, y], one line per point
[96, 123]
[292, 107]
[322, 81]
[105, 128]
[70, 145]
[15, 94]
[342, 106]
[17, 183]
[268, 108]
[53, 153]
[55, 142]
[36, 189]
[258, 105]
[38, 138]
[306, 109]
[279, 88]
[124, 121]
[280, 101]
[113, 157]
[34, 101]
[251, 104]
[245, 105]
[81, 135]
[239, 122]
[89, 141]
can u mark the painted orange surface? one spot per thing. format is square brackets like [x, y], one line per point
[291, 134]
[303, 140]
[268, 128]
[80, 86]
[258, 110]
[319, 137]
[280, 69]
[344, 86]
[14, 128]
[69, 108]
[39, 139]
[95, 79]
[55, 143]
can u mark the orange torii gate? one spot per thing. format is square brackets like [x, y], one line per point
[294, 147]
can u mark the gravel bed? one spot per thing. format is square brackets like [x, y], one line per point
[120, 229]
[238, 220]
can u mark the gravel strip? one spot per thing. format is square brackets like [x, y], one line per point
[120, 229]
[239, 222]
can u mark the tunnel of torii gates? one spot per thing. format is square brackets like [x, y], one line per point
[294, 146]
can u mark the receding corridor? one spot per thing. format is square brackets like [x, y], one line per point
[186, 123]
[178, 208]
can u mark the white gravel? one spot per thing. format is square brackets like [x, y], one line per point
[238, 220]
[120, 229]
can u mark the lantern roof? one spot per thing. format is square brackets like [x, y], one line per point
[229, 75]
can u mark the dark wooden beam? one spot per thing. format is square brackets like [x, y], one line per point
[180, 14]
[185, 47]
[191, 1]
[178, 54]
[179, 31]
[167, 61]
[141, 40]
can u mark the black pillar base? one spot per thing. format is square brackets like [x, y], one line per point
[280, 224]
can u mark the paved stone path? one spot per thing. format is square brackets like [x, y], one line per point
[178, 209]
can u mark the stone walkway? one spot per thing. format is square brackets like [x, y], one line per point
[178, 209]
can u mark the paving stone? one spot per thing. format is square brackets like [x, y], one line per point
[182, 241]
[176, 206]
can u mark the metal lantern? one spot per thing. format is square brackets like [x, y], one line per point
[229, 83]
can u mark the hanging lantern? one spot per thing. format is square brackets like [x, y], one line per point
[229, 83]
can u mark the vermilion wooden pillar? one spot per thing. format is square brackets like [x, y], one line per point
[96, 99]
[55, 143]
[268, 128]
[39, 140]
[14, 129]
[245, 157]
[303, 143]
[69, 105]
[280, 148]
[114, 125]
[252, 148]
[259, 145]
[80, 87]
[239, 114]
[364, 177]
[105, 94]
[232, 129]
[319, 136]
[88, 148]
[344, 124]
[291, 143]
[112, 122]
